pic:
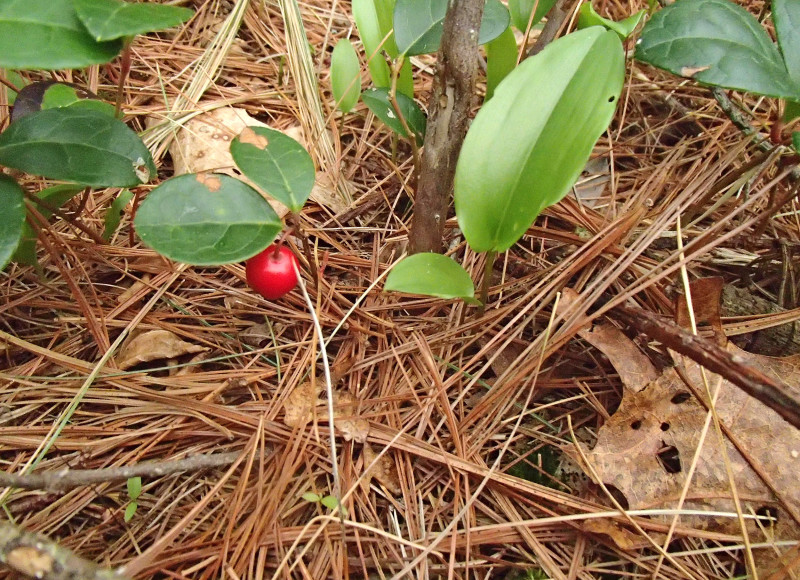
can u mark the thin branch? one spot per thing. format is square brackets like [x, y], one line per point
[66, 479]
[556, 18]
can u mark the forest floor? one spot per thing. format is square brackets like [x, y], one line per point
[463, 440]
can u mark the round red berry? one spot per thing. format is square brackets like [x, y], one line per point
[271, 273]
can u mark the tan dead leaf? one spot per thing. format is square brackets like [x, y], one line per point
[33, 562]
[212, 183]
[189, 368]
[299, 405]
[252, 138]
[690, 71]
[634, 368]
[384, 470]
[345, 413]
[624, 538]
[256, 335]
[154, 345]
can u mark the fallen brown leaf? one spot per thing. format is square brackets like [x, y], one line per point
[154, 345]
[384, 470]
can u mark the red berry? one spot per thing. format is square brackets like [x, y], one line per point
[272, 273]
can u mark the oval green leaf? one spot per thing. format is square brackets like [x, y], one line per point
[130, 511]
[47, 34]
[717, 43]
[77, 144]
[587, 16]
[134, 485]
[112, 19]
[345, 75]
[501, 58]
[311, 496]
[432, 275]
[12, 218]
[276, 163]
[365, 13]
[115, 212]
[206, 219]
[786, 15]
[521, 11]
[418, 24]
[64, 95]
[378, 101]
[526, 147]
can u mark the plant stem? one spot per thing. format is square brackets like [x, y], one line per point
[300, 233]
[124, 69]
[487, 279]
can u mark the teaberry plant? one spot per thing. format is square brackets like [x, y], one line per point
[526, 146]
[720, 44]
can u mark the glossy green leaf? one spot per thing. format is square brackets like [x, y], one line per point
[134, 485]
[12, 217]
[588, 17]
[63, 95]
[47, 34]
[373, 19]
[206, 219]
[431, 275]
[76, 144]
[115, 212]
[112, 19]
[717, 43]
[312, 497]
[786, 15]
[130, 511]
[418, 24]
[526, 147]
[276, 163]
[521, 12]
[501, 58]
[345, 75]
[54, 196]
[377, 100]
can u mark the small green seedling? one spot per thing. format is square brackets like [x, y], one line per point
[134, 485]
[328, 501]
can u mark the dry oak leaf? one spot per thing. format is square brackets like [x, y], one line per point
[384, 470]
[154, 345]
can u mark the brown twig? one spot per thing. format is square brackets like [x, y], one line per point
[67, 479]
[772, 393]
[556, 18]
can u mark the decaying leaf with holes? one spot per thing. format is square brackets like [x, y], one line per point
[154, 345]
[647, 447]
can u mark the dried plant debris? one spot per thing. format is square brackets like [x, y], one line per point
[154, 345]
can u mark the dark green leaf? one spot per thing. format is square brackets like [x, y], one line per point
[112, 19]
[501, 58]
[418, 24]
[55, 196]
[64, 95]
[12, 217]
[431, 275]
[206, 219]
[276, 163]
[77, 144]
[50, 95]
[526, 147]
[130, 511]
[786, 15]
[378, 101]
[717, 43]
[521, 12]
[345, 75]
[47, 34]
[115, 213]
[134, 485]
[588, 17]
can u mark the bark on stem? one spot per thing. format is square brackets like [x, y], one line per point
[453, 90]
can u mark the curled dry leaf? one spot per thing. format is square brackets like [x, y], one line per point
[256, 335]
[384, 471]
[154, 345]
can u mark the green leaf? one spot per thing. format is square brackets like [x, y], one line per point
[432, 275]
[47, 34]
[55, 196]
[588, 17]
[786, 15]
[526, 147]
[418, 24]
[63, 95]
[112, 19]
[130, 511]
[206, 219]
[79, 145]
[796, 140]
[521, 12]
[332, 503]
[345, 75]
[377, 100]
[717, 43]
[276, 163]
[115, 212]
[365, 13]
[791, 111]
[12, 218]
[15, 79]
[311, 496]
[134, 485]
[501, 58]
